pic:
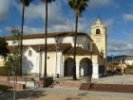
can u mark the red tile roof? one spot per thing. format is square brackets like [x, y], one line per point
[50, 47]
[79, 51]
[61, 34]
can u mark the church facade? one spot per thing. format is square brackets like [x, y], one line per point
[90, 53]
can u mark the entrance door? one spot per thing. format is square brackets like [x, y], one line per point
[69, 64]
[85, 67]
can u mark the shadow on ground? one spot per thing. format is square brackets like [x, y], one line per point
[22, 94]
[77, 97]
[73, 98]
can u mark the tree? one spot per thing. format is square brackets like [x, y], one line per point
[25, 3]
[46, 31]
[78, 6]
[16, 49]
[14, 54]
[12, 60]
[11, 64]
[3, 47]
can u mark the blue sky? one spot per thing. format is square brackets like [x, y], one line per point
[117, 15]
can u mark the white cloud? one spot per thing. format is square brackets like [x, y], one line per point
[128, 17]
[69, 25]
[35, 11]
[109, 22]
[33, 30]
[99, 3]
[61, 28]
[121, 47]
[4, 9]
[27, 29]
[58, 21]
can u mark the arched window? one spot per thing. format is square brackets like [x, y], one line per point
[97, 31]
[30, 53]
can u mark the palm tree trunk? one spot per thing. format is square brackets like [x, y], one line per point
[8, 76]
[46, 26]
[14, 83]
[76, 29]
[21, 40]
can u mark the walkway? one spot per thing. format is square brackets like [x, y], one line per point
[117, 79]
[65, 94]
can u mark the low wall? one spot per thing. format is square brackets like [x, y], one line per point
[107, 87]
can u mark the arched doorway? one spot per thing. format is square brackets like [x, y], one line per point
[85, 67]
[69, 64]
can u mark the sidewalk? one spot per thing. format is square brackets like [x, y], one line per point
[64, 94]
[72, 94]
[81, 92]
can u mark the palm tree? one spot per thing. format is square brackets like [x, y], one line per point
[25, 3]
[46, 31]
[78, 6]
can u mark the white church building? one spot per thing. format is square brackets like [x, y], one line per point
[90, 52]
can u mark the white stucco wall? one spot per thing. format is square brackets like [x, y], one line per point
[30, 62]
[1, 61]
[53, 67]
[61, 66]
[95, 65]
[82, 41]
[95, 73]
[129, 62]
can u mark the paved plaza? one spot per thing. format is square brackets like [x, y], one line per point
[73, 94]
[64, 94]
[116, 79]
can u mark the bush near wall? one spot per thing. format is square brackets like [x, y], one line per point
[5, 71]
[46, 81]
[3, 88]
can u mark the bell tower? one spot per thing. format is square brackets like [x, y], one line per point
[99, 36]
